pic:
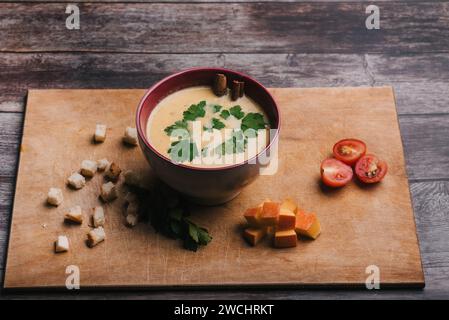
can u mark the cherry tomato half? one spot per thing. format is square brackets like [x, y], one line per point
[370, 169]
[335, 173]
[349, 150]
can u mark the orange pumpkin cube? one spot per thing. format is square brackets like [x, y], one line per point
[270, 213]
[289, 204]
[252, 216]
[285, 239]
[286, 220]
[307, 224]
[254, 235]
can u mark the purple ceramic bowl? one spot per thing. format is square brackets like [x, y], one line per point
[209, 186]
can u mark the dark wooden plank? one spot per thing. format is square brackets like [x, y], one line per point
[426, 144]
[6, 199]
[75, 70]
[430, 200]
[10, 135]
[421, 81]
[236, 28]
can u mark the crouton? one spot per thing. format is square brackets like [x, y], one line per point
[113, 171]
[76, 181]
[62, 244]
[102, 164]
[130, 136]
[88, 168]
[54, 196]
[98, 218]
[74, 214]
[95, 236]
[131, 220]
[100, 132]
[108, 192]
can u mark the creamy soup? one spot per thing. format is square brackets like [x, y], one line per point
[195, 127]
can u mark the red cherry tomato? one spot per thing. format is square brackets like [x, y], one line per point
[349, 150]
[370, 169]
[335, 173]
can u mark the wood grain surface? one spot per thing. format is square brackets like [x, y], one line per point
[418, 75]
[354, 235]
[236, 28]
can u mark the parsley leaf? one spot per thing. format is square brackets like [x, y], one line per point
[181, 124]
[253, 121]
[217, 124]
[216, 108]
[237, 112]
[195, 111]
[172, 221]
[225, 114]
[203, 236]
[195, 236]
[183, 150]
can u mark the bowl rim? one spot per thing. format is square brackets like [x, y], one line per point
[143, 138]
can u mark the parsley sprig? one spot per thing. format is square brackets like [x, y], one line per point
[168, 214]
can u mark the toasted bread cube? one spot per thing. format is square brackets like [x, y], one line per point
[100, 132]
[113, 171]
[74, 214]
[131, 220]
[76, 181]
[289, 204]
[132, 208]
[252, 216]
[54, 196]
[270, 213]
[285, 239]
[98, 218]
[102, 164]
[130, 136]
[95, 236]
[108, 192]
[254, 235]
[88, 168]
[307, 224]
[286, 220]
[62, 244]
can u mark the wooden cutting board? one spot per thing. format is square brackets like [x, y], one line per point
[361, 226]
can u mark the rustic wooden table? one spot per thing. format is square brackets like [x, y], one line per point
[284, 44]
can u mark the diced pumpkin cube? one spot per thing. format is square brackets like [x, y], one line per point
[285, 239]
[289, 204]
[307, 224]
[270, 213]
[286, 220]
[254, 235]
[252, 216]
